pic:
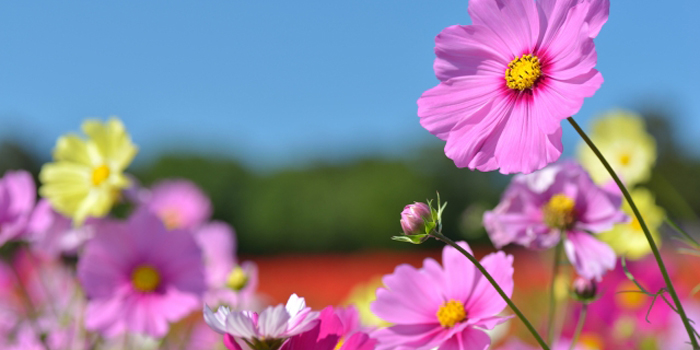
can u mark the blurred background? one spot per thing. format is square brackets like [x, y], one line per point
[298, 119]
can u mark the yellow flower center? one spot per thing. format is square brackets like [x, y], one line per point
[145, 278]
[171, 218]
[523, 72]
[635, 225]
[559, 212]
[629, 297]
[237, 279]
[451, 313]
[100, 174]
[625, 158]
[591, 340]
[340, 344]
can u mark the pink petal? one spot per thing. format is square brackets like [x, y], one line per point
[451, 102]
[591, 258]
[472, 142]
[469, 339]
[469, 50]
[411, 290]
[485, 302]
[459, 273]
[415, 336]
[523, 146]
[553, 14]
[514, 21]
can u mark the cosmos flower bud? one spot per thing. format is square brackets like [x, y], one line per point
[584, 290]
[413, 218]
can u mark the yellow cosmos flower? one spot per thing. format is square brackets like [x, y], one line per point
[622, 138]
[86, 176]
[628, 238]
[362, 296]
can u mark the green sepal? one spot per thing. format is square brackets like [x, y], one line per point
[415, 239]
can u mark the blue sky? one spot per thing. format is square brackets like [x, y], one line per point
[276, 83]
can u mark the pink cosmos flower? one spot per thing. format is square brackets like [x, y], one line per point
[508, 80]
[179, 203]
[139, 276]
[337, 329]
[17, 199]
[52, 234]
[442, 306]
[623, 317]
[272, 326]
[229, 283]
[559, 345]
[559, 202]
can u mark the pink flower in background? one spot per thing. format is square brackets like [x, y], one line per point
[559, 202]
[52, 234]
[17, 199]
[179, 203]
[272, 326]
[229, 283]
[508, 80]
[139, 276]
[563, 344]
[445, 306]
[623, 318]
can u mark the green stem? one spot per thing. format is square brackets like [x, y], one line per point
[552, 297]
[579, 326]
[647, 234]
[493, 282]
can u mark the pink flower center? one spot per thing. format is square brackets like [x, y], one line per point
[559, 212]
[451, 313]
[100, 174]
[171, 218]
[145, 278]
[523, 72]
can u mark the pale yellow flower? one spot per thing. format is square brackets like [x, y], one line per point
[86, 176]
[362, 296]
[622, 138]
[628, 238]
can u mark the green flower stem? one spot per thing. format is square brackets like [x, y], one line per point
[552, 298]
[579, 326]
[647, 234]
[493, 282]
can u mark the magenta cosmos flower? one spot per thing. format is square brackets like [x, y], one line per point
[445, 306]
[138, 276]
[559, 202]
[17, 199]
[338, 329]
[229, 282]
[508, 80]
[269, 329]
[179, 203]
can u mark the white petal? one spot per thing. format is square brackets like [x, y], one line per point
[273, 322]
[295, 304]
[217, 321]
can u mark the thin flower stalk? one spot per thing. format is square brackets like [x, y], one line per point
[552, 290]
[579, 326]
[645, 229]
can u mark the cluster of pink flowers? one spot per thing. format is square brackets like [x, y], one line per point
[113, 280]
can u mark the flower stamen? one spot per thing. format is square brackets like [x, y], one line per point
[559, 212]
[145, 278]
[523, 72]
[100, 174]
[451, 313]
[237, 279]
